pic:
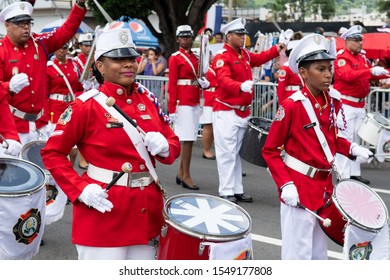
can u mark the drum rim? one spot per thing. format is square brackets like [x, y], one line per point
[261, 130]
[347, 216]
[371, 117]
[29, 192]
[208, 237]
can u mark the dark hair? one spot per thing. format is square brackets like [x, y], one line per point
[97, 74]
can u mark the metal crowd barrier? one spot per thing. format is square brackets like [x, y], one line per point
[379, 101]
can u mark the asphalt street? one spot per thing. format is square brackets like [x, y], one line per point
[264, 210]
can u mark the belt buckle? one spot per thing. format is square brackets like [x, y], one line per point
[29, 117]
[68, 98]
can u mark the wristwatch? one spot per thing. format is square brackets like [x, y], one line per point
[80, 4]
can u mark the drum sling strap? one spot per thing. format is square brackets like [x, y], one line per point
[51, 63]
[130, 130]
[313, 118]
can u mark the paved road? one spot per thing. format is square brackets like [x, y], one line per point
[264, 211]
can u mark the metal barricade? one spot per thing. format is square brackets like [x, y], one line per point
[265, 101]
[159, 86]
[378, 100]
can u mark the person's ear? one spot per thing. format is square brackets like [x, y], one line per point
[302, 72]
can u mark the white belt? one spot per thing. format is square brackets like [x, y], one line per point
[353, 99]
[238, 107]
[306, 169]
[293, 88]
[61, 97]
[211, 89]
[26, 116]
[131, 180]
[186, 82]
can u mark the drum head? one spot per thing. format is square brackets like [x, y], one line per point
[381, 120]
[360, 205]
[32, 152]
[19, 177]
[260, 123]
[207, 217]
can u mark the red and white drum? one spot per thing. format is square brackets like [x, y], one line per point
[198, 224]
[55, 197]
[357, 204]
[371, 127]
[22, 208]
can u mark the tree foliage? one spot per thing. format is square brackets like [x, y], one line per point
[384, 6]
[171, 14]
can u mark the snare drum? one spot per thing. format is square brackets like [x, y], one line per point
[254, 140]
[22, 208]
[194, 222]
[371, 127]
[55, 197]
[358, 205]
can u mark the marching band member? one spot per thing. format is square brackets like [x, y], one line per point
[232, 104]
[124, 222]
[23, 56]
[184, 89]
[9, 135]
[288, 81]
[62, 83]
[352, 75]
[305, 125]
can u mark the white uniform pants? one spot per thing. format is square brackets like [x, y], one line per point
[354, 117]
[229, 130]
[33, 135]
[136, 252]
[302, 236]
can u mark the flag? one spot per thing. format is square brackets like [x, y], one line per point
[240, 249]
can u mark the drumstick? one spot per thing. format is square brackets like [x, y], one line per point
[126, 168]
[5, 141]
[326, 222]
[111, 103]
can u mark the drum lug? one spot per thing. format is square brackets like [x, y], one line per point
[164, 230]
[201, 248]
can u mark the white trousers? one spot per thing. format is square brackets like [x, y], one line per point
[33, 135]
[229, 130]
[136, 252]
[354, 117]
[302, 236]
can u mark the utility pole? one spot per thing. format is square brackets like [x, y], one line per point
[230, 10]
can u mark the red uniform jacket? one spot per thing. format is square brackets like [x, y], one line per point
[179, 68]
[7, 127]
[137, 214]
[209, 93]
[232, 69]
[55, 84]
[352, 76]
[288, 129]
[31, 59]
[80, 61]
[286, 78]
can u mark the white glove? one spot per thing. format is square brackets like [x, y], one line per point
[247, 86]
[50, 127]
[290, 195]
[18, 82]
[362, 154]
[172, 117]
[87, 85]
[157, 144]
[93, 195]
[13, 148]
[285, 36]
[379, 71]
[203, 82]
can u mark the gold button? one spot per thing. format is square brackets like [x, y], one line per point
[142, 167]
[119, 91]
[128, 101]
[143, 210]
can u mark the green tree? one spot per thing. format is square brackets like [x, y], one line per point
[171, 14]
[384, 6]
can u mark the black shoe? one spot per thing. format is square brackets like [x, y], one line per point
[243, 197]
[230, 198]
[360, 179]
[186, 186]
[42, 243]
[210, 158]
[243, 174]
[178, 180]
